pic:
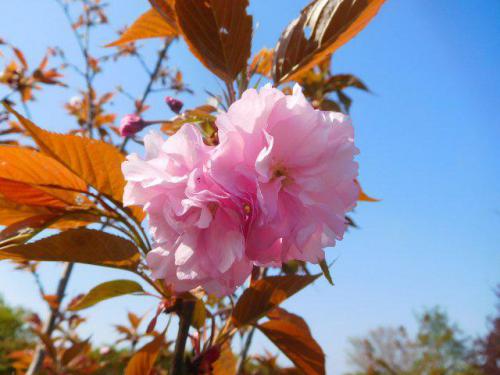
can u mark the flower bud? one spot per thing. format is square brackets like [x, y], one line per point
[174, 104]
[130, 125]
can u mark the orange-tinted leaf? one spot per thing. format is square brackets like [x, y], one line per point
[80, 246]
[11, 213]
[107, 290]
[363, 196]
[166, 9]
[21, 57]
[149, 25]
[143, 361]
[52, 300]
[322, 27]
[134, 320]
[226, 364]
[290, 333]
[96, 162]
[27, 166]
[17, 216]
[218, 33]
[266, 294]
[23, 194]
[262, 62]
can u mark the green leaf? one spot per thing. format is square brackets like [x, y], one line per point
[107, 290]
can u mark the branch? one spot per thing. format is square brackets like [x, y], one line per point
[50, 325]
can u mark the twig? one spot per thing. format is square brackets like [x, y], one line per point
[149, 86]
[50, 325]
[244, 351]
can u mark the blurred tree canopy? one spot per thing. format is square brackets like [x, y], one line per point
[14, 334]
[438, 348]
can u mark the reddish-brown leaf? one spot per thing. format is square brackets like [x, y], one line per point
[343, 81]
[24, 194]
[322, 27]
[266, 294]
[291, 334]
[73, 351]
[80, 246]
[218, 33]
[143, 361]
[166, 9]
[149, 25]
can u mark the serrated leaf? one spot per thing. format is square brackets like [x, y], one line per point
[218, 33]
[12, 213]
[266, 294]
[326, 271]
[107, 290]
[143, 361]
[79, 246]
[291, 334]
[30, 167]
[150, 24]
[96, 162]
[322, 27]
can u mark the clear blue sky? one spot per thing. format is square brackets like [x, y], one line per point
[429, 140]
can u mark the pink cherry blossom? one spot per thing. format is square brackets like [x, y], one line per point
[297, 163]
[196, 226]
[276, 188]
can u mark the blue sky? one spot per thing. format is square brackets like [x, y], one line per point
[429, 140]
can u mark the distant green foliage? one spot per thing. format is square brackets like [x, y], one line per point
[438, 348]
[13, 334]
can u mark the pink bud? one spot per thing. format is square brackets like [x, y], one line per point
[174, 104]
[130, 125]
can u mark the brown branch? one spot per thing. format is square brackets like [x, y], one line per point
[50, 325]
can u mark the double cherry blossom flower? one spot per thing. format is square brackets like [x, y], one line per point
[276, 188]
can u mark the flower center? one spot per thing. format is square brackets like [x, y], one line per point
[281, 171]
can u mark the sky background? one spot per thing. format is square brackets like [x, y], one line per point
[429, 141]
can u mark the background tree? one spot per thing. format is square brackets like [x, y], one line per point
[489, 346]
[14, 334]
[438, 348]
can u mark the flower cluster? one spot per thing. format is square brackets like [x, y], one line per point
[275, 188]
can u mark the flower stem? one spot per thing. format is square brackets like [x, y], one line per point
[185, 316]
